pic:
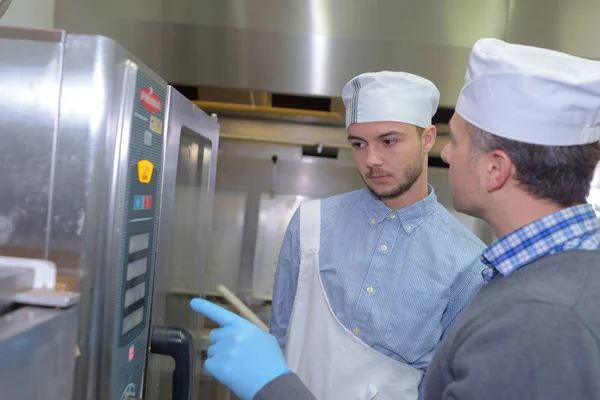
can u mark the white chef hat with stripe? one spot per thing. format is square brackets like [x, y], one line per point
[531, 95]
[390, 96]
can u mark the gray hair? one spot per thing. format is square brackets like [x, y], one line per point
[561, 174]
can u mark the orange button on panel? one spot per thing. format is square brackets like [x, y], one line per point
[145, 169]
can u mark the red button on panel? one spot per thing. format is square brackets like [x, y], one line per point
[147, 202]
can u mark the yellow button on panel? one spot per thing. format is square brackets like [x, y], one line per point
[145, 169]
[356, 330]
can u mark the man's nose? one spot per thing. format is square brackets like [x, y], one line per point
[374, 158]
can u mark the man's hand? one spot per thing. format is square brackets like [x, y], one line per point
[241, 356]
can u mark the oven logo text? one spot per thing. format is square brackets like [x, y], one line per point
[150, 100]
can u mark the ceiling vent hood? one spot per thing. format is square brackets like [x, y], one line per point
[313, 47]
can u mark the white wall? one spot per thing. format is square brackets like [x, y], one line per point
[30, 14]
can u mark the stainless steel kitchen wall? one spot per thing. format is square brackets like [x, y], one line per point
[313, 47]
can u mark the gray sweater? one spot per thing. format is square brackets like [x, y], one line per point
[532, 335]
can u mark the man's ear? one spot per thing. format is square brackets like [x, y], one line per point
[428, 138]
[498, 168]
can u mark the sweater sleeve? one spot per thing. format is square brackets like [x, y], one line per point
[527, 350]
[287, 386]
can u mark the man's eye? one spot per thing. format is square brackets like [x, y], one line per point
[358, 145]
[390, 142]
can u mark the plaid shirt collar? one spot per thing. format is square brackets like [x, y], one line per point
[545, 236]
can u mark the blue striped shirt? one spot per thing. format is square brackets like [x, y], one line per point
[568, 229]
[397, 279]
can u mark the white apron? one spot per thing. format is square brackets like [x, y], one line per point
[328, 358]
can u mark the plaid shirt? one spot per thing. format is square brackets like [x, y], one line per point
[571, 228]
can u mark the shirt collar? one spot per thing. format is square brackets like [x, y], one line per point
[411, 216]
[544, 236]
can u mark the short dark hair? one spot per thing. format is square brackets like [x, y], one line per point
[561, 174]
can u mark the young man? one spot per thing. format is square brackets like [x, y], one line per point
[524, 147]
[375, 277]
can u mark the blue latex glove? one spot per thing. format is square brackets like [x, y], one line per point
[241, 355]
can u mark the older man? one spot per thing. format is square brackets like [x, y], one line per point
[522, 154]
[377, 276]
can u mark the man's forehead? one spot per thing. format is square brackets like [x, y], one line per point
[452, 122]
[456, 124]
[369, 130]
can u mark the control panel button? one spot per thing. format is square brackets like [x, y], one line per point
[142, 202]
[138, 202]
[145, 169]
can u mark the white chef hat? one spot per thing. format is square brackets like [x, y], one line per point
[531, 95]
[390, 96]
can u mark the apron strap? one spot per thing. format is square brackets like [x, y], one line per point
[371, 392]
[310, 227]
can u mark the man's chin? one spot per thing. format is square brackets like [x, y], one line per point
[466, 209]
[385, 193]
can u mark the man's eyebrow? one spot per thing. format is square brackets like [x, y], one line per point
[450, 132]
[391, 133]
[381, 136]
